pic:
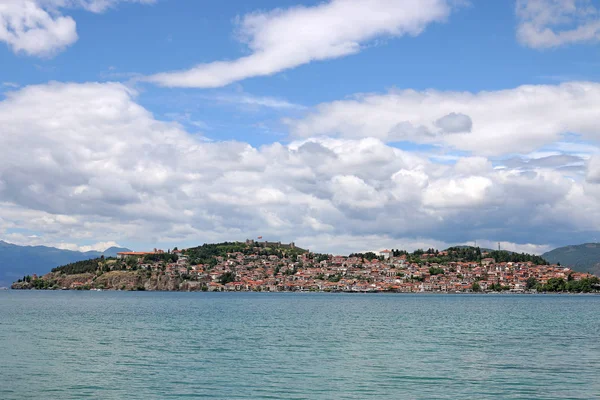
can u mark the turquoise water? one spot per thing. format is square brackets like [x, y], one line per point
[123, 345]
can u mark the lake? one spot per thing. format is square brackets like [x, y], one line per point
[143, 345]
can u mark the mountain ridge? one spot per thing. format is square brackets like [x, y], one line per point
[580, 257]
[17, 261]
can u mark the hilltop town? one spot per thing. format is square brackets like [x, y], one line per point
[277, 267]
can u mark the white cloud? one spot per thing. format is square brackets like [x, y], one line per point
[93, 166]
[35, 240]
[28, 28]
[352, 191]
[286, 38]
[38, 28]
[516, 247]
[593, 171]
[462, 192]
[516, 120]
[553, 23]
[100, 246]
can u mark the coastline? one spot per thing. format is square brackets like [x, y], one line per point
[252, 267]
[504, 293]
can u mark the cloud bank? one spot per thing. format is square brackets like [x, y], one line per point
[90, 164]
[516, 120]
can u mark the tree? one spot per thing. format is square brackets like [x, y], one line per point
[531, 283]
[365, 256]
[131, 262]
[227, 277]
[476, 287]
[584, 285]
[80, 267]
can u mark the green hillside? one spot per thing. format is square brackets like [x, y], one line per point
[207, 253]
[582, 258]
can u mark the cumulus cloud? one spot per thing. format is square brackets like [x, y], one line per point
[38, 28]
[286, 38]
[92, 166]
[352, 191]
[27, 28]
[463, 192]
[553, 23]
[516, 120]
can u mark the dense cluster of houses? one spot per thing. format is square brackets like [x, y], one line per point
[311, 272]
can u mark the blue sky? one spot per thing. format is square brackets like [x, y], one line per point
[345, 125]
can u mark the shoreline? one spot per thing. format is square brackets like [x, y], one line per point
[249, 266]
[507, 293]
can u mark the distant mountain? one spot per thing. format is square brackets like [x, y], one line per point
[110, 252]
[17, 261]
[581, 258]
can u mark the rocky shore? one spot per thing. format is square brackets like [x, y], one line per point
[113, 280]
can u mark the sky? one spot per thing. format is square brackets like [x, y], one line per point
[341, 125]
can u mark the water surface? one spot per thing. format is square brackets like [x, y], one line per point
[142, 345]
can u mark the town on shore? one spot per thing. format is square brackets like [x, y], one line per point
[277, 267]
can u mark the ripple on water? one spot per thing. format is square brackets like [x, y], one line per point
[115, 345]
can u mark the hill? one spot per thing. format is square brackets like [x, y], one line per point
[483, 249]
[159, 271]
[17, 261]
[208, 253]
[581, 258]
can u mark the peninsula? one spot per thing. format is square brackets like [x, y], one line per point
[278, 267]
